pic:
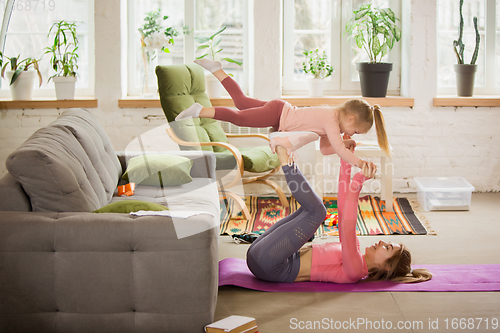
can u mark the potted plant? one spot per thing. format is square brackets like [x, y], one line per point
[375, 31]
[211, 47]
[465, 73]
[154, 37]
[64, 58]
[317, 65]
[21, 78]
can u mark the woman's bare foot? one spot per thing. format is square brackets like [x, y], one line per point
[282, 155]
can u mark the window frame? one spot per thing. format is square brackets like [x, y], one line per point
[340, 82]
[490, 87]
[189, 43]
[48, 90]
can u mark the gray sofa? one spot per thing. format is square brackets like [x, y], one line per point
[66, 269]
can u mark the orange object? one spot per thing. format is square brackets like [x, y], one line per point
[127, 189]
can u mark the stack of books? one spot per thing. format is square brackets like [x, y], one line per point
[233, 324]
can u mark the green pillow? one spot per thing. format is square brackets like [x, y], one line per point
[159, 170]
[128, 206]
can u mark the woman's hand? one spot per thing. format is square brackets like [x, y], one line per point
[369, 169]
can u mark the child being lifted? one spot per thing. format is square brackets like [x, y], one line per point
[355, 116]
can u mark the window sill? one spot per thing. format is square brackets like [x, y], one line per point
[48, 104]
[132, 102]
[476, 101]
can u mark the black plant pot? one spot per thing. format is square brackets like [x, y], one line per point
[374, 78]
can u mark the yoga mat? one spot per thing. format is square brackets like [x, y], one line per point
[446, 278]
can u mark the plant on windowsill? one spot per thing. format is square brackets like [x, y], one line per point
[317, 65]
[64, 58]
[465, 73]
[375, 31]
[21, 78]
[211, 47]
[154, 38]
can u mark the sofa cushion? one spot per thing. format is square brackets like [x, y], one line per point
[159, 170]
[12, 195]
[128, 206]
[96, 144]
[56, 172]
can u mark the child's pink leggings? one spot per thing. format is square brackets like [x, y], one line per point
[251, 112]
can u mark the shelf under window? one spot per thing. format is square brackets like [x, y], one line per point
[49, 104]
[475, 101]
[294, 100]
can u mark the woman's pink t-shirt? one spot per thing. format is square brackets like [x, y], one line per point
[328, 263]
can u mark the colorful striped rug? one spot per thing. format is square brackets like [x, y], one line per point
[372, 217]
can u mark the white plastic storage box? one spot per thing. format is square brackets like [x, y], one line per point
[444, 193]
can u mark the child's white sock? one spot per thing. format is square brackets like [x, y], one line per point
[192, 112]
[209, 65]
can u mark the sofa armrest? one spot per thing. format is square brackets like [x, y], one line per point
[203, 166]
[113, 270]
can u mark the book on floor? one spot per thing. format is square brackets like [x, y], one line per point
[233, 324]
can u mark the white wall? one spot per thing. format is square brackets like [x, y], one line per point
[427, 141]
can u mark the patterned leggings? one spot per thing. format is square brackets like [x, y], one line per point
[251, 112]
[274, 255]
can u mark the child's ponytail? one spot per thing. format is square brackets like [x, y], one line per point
[382, 139]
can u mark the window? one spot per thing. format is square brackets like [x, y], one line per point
[487, 80]
[201, 18]
[311, 24]
[27, 36]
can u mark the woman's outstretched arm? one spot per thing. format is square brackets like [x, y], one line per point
[352, 259]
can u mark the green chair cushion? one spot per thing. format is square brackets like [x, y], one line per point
[255, 159]
[181, 86]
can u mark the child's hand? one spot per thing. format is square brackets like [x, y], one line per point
[350, 144]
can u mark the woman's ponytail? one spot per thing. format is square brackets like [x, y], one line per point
[382, 139]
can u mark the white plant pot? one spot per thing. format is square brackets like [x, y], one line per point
[316, 87]
[214, 87]
[65, 86]
[22, 88]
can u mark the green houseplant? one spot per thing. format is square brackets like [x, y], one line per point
[21, 77]
[316, 63]
[465, 73]
[375, 31]
[210, 47]
[64, 58]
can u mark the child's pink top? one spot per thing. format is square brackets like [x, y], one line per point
[322, 120]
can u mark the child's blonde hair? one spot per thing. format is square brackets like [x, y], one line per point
[365, 113]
